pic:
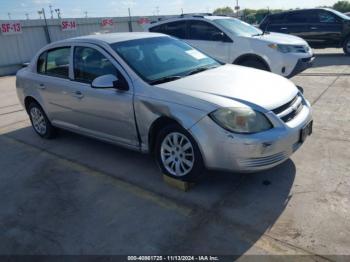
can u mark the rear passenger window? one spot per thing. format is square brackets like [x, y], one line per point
[200, 30]
[41, 64]
[158, 29]
[177, 29]
[90, 64]
[297, 17]
[57, 62]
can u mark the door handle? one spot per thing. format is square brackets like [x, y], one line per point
[78, 94]
[313, 28]
[42, 86]
[284, 28]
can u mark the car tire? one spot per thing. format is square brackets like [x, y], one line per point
[254, 63]
[40, 123]
[346, 46]
[177, 154]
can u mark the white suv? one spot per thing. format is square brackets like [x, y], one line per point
[231, 40]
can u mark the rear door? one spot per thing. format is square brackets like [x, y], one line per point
[210, 39]
[54, 83]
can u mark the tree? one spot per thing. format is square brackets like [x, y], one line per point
[224, 11]
[342, 6]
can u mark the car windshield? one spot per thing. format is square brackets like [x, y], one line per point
[238, 27]
[162, 59]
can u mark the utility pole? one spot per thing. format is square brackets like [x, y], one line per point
[51, 11]
[182, 11]
[237, 8]
[40, 13]
[86, 14]
[27, 16]
[58, 12]
[47, 32]
[157, 10]
[130, 22]
[9, 15]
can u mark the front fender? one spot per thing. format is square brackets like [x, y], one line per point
[148, 110]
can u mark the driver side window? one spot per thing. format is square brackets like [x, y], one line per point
[90, 64]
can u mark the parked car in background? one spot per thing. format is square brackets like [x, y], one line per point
[233, 41]
[154, 93]
[320, 27]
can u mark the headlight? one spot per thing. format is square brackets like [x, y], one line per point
[290, 48]
[241, 120]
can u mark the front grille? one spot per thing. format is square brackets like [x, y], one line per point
[290, 110]
[282, 108]
[263, 161]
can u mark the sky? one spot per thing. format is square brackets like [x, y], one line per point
[101, 8]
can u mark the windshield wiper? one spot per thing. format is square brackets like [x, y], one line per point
[200, 69]
[164, 80]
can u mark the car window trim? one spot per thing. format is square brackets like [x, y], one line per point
[47, 52]
[111, 57]
[37, 64]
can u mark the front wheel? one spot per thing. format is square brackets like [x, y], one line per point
[346, 46]
[178, 155]
[40, 122]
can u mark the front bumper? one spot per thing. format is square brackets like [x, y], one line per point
[302, 65]
[224, 150]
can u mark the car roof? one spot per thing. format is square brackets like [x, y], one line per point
[188, 17]
[111, 38]
[298, 10]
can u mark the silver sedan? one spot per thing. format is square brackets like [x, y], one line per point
[155, 94]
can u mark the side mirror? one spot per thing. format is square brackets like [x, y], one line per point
[109, 81]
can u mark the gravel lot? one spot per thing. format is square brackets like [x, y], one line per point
[75, 195]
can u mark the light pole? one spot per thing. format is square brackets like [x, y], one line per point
[58, 12]
[27, 16]
[9, 15]
[40, 13]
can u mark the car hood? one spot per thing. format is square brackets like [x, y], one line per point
[278, 38]
[240, 84]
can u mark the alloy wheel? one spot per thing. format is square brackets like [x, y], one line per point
[38, 120]
[177, 154]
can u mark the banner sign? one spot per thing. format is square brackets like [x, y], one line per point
[10, 28]
[143, 21]
[68, 25]
[107, 23]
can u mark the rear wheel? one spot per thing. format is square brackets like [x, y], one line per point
[254, 63]
[177, 154]
[346, 46]
[40, 122]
